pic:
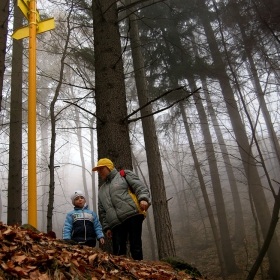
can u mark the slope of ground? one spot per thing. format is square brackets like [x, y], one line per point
[27, 254]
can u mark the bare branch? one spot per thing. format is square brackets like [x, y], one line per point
[153, 100]
[163, 109]
[83, 110]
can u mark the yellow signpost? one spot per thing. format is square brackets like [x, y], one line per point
[34, 27]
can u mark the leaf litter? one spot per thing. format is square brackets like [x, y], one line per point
[28, 254]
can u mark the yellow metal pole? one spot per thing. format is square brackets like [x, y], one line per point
[32, 182]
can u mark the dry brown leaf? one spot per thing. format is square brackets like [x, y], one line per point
[143, 274]
[13, 247]
[35, 274]
[115, 271]
[50, 251]
[44, 277]
[75, 262]
[37, 250]
[18, 258]
[8, 231]
[58, 275]
[5, 248]
[20, 271]
[92, 258]
[35, 247]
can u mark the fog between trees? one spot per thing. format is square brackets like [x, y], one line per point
[207, 146]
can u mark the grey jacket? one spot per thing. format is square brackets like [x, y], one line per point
[115, 204]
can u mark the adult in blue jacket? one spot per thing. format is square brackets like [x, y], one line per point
[81, 224]
[122, 203]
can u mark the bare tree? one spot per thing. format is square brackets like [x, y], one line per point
[112, 131]
[4, 16]
[216, 185]
[80, 142]
[15, 145]
[250, 169]
[205, 196]
[162, 220]
[54, 116]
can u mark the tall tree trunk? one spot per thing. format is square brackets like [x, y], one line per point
[205, 195]
[53, 116]
[260, 94]
[44, 178]
[250, 169]
[15, 145]
[4, 16]
[162, 220]
[149, 226]
[239, 232]
[174, 185]
[111, 111]
[270, 233]
[216, 183]
[93, 187]
[80, 142]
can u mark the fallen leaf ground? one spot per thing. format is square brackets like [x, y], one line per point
[26, 254]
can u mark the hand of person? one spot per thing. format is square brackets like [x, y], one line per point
[109, 234]
[102, 241]
[144, 205]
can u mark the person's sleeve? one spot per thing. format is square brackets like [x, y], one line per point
[97, 227]
[138, 187]
[67, 228]
[102, 214]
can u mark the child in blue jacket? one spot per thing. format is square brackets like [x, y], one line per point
[81, 224]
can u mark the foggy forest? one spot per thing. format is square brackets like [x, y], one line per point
[184, 93]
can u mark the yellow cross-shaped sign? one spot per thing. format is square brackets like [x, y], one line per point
[42, 26]
[35, 26]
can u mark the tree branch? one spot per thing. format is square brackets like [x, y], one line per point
[84, 110]
[163, 109]
[153, 100]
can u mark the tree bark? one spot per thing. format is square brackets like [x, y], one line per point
[53, 116]
[243, 145]
[162, 220]
[80, 142]
[94, 192]
[216, 184]
[15, 153]
[4, 16]
[268, 238]
[259, 92]
[112, 130]
[149, 226]
[239, 230]
[214, 228]
[44, 152]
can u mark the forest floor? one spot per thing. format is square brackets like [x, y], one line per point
[29, 254]
[208, 264]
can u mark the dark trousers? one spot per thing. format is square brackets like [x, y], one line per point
[131, 228]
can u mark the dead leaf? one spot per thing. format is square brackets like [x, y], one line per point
[75, 262]
[35, 274]
[92, 258]
[143, 274]
[50, 251]
[18, 259]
